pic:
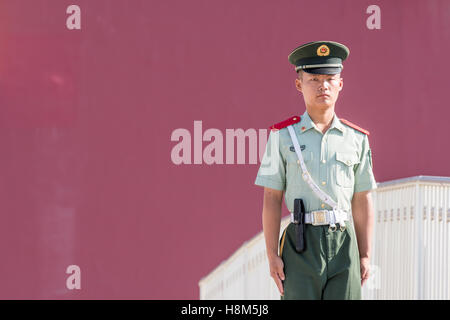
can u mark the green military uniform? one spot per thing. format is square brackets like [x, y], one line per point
[340, 163]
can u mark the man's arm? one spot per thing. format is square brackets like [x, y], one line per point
[363, 217]
[271, 225]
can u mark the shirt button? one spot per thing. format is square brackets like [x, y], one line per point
[324, 183]
[348, 162]
[324, 161]
[323, 205]
[298, 161]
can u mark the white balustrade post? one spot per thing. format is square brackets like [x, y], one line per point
[418, 244]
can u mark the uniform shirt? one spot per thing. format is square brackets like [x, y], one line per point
[339, 161]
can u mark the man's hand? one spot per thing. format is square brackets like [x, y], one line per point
[271, 227]
[276, 266]
[365, 269]
[363, 217]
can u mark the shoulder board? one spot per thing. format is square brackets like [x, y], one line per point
[354, 126]
[285, 123]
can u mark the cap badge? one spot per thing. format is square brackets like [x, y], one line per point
[323, 50]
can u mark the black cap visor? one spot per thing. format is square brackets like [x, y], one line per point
[328, 70]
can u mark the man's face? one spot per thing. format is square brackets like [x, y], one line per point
[319, 90]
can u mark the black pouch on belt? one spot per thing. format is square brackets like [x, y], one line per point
[299, 221]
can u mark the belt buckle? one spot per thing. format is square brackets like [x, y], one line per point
[319, 218]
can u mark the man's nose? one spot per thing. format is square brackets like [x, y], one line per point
[324, 84]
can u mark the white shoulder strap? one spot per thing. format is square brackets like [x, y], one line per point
[306, 176]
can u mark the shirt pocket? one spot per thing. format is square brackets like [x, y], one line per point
[345, 163]
[294, 171]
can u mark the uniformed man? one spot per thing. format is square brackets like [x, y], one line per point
[323, 166]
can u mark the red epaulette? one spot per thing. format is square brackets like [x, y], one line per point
[285, 123]
[354, 126]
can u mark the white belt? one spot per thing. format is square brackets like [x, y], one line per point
[325, 217]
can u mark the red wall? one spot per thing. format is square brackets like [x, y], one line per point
[86, 116]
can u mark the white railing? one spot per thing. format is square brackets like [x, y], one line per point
[411, 246]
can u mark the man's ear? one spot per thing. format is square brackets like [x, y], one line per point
[341, 84]
[298, 84]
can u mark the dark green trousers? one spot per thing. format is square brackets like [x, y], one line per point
[327, 269]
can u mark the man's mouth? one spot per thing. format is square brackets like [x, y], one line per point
[323, 95]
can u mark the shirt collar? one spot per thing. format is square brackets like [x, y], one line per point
[306, 123]
[337, 124]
